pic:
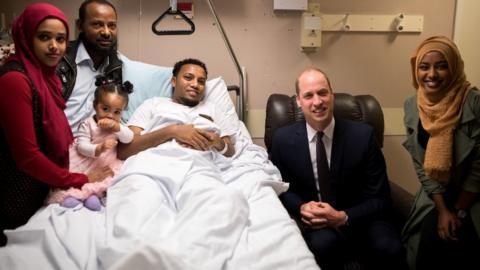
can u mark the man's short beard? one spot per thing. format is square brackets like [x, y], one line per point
[188, 102]
[100, 50]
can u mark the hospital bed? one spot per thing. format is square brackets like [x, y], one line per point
[60, 238]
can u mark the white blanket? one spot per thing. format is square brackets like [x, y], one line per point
[170, 209]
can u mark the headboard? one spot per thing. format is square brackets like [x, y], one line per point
[282, 110]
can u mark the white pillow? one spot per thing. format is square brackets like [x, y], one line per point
[154, 81]
[216, 93]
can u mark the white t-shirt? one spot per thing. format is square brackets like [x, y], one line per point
[158, 112]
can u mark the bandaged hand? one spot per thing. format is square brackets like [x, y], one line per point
[216, 141]
[198, 139]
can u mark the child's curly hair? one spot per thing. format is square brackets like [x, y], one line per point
[104, 85]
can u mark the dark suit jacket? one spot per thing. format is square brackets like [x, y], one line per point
[357, 169]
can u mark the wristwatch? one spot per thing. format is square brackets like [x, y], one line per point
[461, 214]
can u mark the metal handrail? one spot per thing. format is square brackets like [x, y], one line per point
[242, 113]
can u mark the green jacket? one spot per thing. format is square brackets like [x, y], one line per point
[466, 174]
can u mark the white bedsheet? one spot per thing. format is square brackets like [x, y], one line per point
[180, 215]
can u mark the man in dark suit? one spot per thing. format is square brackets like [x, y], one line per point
[338, 183]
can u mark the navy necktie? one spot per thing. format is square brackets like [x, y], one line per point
[323, 171]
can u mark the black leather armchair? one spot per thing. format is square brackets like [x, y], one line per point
[282, 110]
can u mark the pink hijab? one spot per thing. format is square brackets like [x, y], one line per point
[56, 130]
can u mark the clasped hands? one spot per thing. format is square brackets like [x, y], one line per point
[448, 226]
[318, 215]
[199, 139]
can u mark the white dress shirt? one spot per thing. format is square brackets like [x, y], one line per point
[80, 104]
[312, 145]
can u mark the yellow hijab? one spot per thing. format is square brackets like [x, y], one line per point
[440, 111]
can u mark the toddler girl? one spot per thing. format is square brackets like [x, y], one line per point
[95, 146]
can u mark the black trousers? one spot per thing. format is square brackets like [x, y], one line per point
[375, 244]
[435, 253]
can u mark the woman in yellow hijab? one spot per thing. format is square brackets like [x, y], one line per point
[443, 137]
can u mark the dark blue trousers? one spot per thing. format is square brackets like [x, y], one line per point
[374, 244]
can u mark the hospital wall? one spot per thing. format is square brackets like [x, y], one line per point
[267, 44]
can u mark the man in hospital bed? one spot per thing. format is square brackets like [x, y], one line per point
[175, 180]
[185, 107]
